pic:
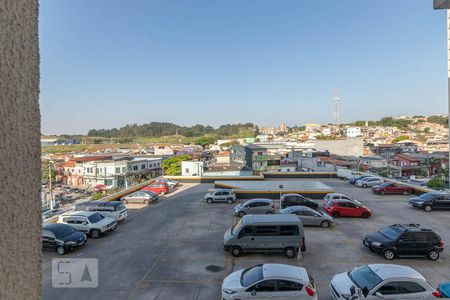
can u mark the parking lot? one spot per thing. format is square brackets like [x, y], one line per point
[174, 249]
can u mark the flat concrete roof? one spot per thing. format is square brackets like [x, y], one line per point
[273, 185]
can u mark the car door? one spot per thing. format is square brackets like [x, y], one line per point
[82, 224]
[406, 244]
[422, 243]
[246, 239]
[219, 196]
[442, 202]
[262, 290]
[391, 188]
[288, 290]
[267, 237]
[401, 290]
[308, 218]
[343, 209]
[48, 239]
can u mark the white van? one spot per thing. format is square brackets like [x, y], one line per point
[266, 233]
[111, 209]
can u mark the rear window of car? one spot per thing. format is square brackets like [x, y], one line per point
[330, 203]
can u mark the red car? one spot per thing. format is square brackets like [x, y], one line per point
[157, 187]
[392, 188]
[346, 208]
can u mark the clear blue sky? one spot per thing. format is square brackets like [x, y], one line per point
[109, 63]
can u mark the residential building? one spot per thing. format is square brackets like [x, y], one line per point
[376, 162]
[223, 157]
[352, 132]
[192, 168]
[255, 157]
[348, 146]
[227, 170]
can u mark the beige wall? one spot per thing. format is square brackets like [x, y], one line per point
[349, 146]
[20, 219]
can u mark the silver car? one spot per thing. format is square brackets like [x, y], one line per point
[141, 196]
[309, 216]
[369, 182]
[220, 195]
[254, 207]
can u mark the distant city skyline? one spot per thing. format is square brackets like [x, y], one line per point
[213, 63]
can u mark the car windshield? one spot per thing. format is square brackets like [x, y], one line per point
[427, 196]
[94, 218]
[364, 277]
[236, 227]
[120, 207]
[390, 233]
[385, 184]
[63, 231]
[252, 275]
[330, 203]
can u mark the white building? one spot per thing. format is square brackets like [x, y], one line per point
[353, 131]
[192, 168]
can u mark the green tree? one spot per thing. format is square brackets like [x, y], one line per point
[426, 129]
[45, 175]
[172, 166]
[400, 138]
[205, 141]
[436, 183]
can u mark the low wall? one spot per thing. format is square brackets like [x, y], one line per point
[299, 175]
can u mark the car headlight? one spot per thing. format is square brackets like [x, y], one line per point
[70, 243]
[228, 291]
[376, 244]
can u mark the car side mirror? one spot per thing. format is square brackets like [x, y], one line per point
[379, 295]
[84, 223]
[253, 293]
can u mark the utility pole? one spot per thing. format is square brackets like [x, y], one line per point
[50, 184]
[445, 4]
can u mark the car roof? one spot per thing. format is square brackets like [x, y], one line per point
[258, 200]
[298, 207]
[336, 194]
[271, 218]
[54, 226]
[285, 271]
[387, 271]
[292, 194]
[79, 213]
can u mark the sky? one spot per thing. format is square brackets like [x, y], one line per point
[108, 63]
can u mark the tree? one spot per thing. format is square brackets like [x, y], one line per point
[205, 141]
[426, 129]
[400, 138]
[45, 175]
[436, 183]
[172, 166]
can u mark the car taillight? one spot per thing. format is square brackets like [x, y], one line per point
[273, 205]
[311, 292]
[436, 294]
[441, 244]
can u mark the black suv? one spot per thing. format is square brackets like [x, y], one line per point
[405, 240]
[297, 200]
[430, 201]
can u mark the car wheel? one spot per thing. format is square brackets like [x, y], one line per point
[325, 224]
[389, 254]
[383, 193]
[60, 250]
[433, 255]
[336, 214]
[269, 212]
[427, 208]
[209, 200]
[365, 215]
[236, 251]
[95, 233]
[229, 201]
[147, 202]
[364, 185]
[289, 252]
[162, 193]
[241, 214]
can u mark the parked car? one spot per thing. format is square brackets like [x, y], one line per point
[112, 209]
[254, 206]
[309, 216]
[297, 200]
[157, 187]
[50, 213]
[369, 182]
[392, 188]
[430, 201]
[220, 195]
[444, 290]
[274, 281]
[265, 233]
[142, 196]
[355, 178]
[346, 208]
[171, 183]
[405, 240]
[336, 196]
[93, 224]
[381, 281]
[61, 237]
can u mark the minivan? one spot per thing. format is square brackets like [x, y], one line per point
[266, 233]
[111, 209]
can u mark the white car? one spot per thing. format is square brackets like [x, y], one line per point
[269, 281]
[381, 281]
[336, 196]
[92, 223]
[170, 183]
[369, 182]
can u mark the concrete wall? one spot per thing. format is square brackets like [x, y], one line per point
[20, 221]
[349, 146]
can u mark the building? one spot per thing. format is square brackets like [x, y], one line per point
[352, 132]
[223, 157]
[227, 170]
[255, 157]
[349, 146]
[376, 162]
[58, 141]
[405, 165]
[192, 168]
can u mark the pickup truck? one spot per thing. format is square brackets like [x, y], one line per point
[392, 188]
